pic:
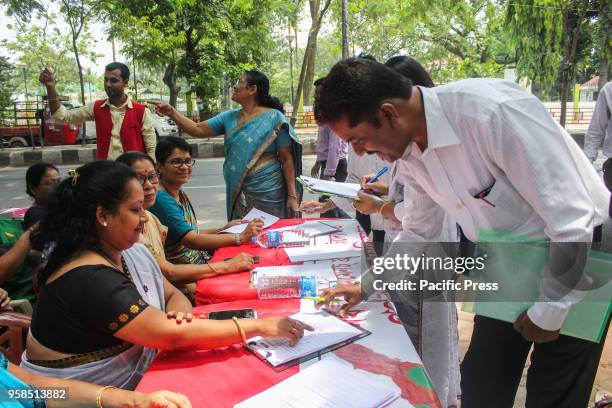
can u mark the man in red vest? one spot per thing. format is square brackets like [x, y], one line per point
[121, 125]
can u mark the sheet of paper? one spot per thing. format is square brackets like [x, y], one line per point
[321, 252]
[322, 271]
[268, 220]
[312, 228]
[348, 190]
[329, 383]
[329, 330]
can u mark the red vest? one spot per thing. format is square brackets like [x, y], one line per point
[130, 133]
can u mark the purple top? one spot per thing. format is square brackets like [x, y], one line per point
[330, 148]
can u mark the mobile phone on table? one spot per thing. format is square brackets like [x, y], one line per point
[228, 314]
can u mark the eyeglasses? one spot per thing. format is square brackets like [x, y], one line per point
[177, 163]
[152, 178]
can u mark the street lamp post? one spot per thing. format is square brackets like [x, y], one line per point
[290, 39]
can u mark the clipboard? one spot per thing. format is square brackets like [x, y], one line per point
[303, 180]
[259, 350]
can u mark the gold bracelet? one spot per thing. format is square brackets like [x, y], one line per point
[213, 269]
[99, 395]
[380, 210]
[242, 335]
[292, 196]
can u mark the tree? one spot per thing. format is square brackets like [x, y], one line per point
[78, 14]
[6, 87]
[547, 35]
[208, 42]
[318, 10]
[43, 47]
[604, 32]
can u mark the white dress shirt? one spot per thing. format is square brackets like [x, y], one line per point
[599, 134]
[357, 167]
[491, 134]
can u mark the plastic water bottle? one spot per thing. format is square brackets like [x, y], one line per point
[285, 238]
[281, 287]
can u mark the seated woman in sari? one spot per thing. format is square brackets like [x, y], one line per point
[185, 243]
[262, 154]
[78, 393]
[154, 232]
[100, 315]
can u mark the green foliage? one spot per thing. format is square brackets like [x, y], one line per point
[38, 48]
[211, 41]
[6, 87]
[542, 32]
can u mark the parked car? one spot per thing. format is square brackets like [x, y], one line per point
[164, 126]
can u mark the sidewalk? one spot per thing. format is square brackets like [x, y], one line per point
[78, 154]
[202, 149]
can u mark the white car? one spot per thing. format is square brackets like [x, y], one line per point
[164, 126]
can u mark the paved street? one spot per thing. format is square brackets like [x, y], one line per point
[206, 189]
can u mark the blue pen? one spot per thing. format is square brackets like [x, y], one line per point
[377, 176]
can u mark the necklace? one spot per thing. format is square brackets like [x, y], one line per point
[123, 268]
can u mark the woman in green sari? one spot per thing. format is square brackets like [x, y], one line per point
[262, 154]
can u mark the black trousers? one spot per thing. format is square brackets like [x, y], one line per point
[378, 236]
[561, 373]
[607, 176]
[339, 176]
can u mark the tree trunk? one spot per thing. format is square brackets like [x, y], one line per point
[345, 44]
[605, 37]
[170, 81]
[82, 83]
[569, 58]
[310, 68]
[317, 17]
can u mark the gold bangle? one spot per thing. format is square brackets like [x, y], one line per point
[380, 210]
[292, 196]
[213, 269]
[99, 395]
[242, 335]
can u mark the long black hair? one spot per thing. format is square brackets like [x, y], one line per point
[69, 224]
[411, 69]
[264, 98]
[35, 173]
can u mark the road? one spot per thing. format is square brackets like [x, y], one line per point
[206, 189]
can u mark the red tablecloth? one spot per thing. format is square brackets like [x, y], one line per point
[222, 377]
[225, 377]
[235, 286]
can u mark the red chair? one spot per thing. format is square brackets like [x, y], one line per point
[11, 341]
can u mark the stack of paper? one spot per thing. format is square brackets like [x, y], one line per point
[328, 331]
[322, 271]
[330, 188]
[329, 383]
[268, 220]
[312, 228]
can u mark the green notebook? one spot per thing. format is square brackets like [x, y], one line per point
[517, 268]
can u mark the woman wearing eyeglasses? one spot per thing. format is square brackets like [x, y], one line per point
[262, 154]
[154, 233]
[186, 243]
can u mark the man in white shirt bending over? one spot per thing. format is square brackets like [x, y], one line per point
[489, 154]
